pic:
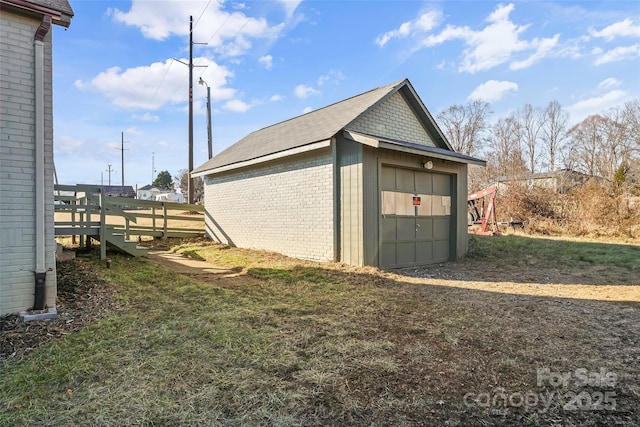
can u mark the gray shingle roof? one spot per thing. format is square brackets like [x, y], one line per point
[324, 123]
[315, 126]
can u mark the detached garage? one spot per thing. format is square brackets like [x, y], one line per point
[370, 180]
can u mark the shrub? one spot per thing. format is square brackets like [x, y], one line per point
[596, 209]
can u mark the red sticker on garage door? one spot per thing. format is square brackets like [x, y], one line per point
[417, 201]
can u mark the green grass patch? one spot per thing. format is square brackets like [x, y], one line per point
[555, 253]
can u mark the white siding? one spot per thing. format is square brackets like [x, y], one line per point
[17, 163]
[284, 206]
[393, 118]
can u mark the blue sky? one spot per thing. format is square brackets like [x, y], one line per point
[115, 68]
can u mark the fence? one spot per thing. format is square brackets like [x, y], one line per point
[87, 211]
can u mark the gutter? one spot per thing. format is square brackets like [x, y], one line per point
[40, 241]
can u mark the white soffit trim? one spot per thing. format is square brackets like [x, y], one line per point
[297, 150]
[362, 139]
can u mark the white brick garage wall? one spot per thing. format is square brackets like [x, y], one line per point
[284, 206]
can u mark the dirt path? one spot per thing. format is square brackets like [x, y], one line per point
[198, 269]
[467, 274]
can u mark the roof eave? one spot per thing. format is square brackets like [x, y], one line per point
[203, 171]
[406, 147]
[58, 17]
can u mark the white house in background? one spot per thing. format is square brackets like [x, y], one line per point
[170, 197]
[27, 245]
[370, 180]
[148, 192]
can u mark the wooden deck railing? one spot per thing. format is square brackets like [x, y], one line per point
[85, 210]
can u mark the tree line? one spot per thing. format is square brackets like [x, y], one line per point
[538, 139]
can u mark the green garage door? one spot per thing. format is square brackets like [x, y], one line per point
[415, 217]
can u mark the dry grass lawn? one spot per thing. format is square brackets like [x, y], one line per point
[525, 331]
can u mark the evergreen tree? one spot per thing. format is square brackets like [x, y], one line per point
[163, 181]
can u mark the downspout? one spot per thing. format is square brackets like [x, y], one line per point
[40, 241]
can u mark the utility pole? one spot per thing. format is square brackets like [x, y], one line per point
[122, 137]
[190, 186]
[209, 124]
[109, 170]
[153, 167]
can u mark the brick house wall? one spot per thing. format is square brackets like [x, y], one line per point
[284, 206]
[17, 165]
[393, 118]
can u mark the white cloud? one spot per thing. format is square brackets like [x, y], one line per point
[425, 22]
[266, 61]
[333, 76]
[493, 90]
[307, 110]
[499, 42]
[609, 83]
[276, 97]
[236, 106]
[147, 117]
[543, 48]
[495, 44]
[619, 53]
[132, 131]
[228, 33]
[619, 29]
[595, 105]
[290, 6]
[153, 86]
[304, 91]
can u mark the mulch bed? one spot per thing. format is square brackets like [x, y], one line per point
[82, 299]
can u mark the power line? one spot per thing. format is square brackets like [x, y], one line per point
[153, 98]
[195, 24]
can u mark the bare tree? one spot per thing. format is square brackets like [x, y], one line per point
[464, 125]
[630, 118]
[183, 181]
[588, 141]
[506, 157]
[554, 131]
[603, 143]
[631, 121]
[530, 119]
[618, 149]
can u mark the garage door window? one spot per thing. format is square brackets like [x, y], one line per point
[408, 204]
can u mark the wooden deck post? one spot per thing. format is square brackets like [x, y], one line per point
[103, 225]
[165, 227]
